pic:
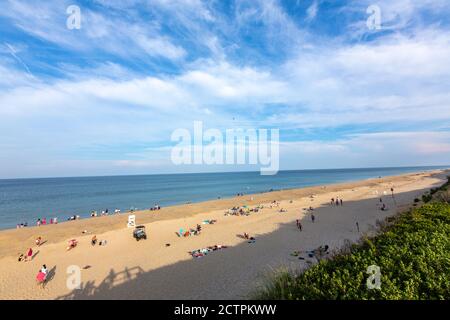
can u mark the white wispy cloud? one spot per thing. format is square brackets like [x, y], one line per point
[396, 80]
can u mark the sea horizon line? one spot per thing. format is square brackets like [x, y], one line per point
[225, 172]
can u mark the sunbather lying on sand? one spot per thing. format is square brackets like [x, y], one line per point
[246, 236]
[191, 232]
[244, 211]
[319, 252]
[209, 221]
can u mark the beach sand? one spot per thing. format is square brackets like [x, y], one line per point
[148, 269]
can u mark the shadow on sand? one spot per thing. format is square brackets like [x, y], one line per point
[234, 272]
[50, 276]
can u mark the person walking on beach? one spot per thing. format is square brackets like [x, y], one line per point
[357, 226]
[300, 227]
[337, 201]
[393, 197]
[313, 218]
[332, 201]
[342, 202]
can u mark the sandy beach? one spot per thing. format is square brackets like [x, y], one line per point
[149, 269]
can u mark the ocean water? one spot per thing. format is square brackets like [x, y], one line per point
[26, 200]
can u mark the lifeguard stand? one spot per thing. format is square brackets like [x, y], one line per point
[131, 221]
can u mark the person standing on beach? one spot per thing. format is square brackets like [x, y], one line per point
[313, 218]
[337, 201]
[342, 202]
[357, 226]
[332, 201]
[300, 227]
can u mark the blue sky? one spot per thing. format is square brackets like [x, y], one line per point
[105, 99]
